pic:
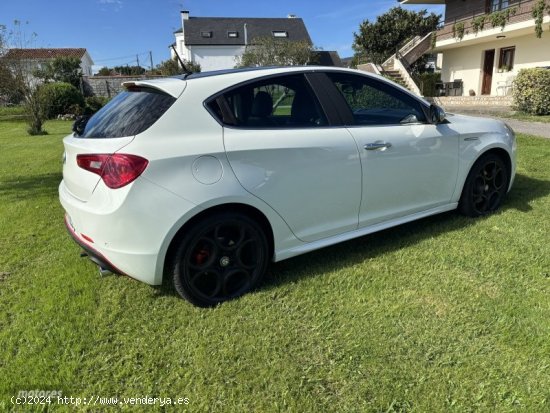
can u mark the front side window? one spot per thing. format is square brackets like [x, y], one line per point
[281, 102]
[129, 113]
[376, 103]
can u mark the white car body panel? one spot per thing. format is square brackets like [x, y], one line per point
[316, 187]
[311, 177]
[418, 172]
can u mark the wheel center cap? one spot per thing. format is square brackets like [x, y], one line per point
[225, 261]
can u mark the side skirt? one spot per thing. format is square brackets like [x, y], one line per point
[311, 246]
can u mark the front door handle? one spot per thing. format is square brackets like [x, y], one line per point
[377, 145]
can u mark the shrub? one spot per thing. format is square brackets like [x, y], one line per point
[59, 99]
[532, 91]
[94, 103]
[426, 82]
[35, 117]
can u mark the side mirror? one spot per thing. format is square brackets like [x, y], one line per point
[437, 114]
[80, 124]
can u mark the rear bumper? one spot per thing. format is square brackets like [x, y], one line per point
[124, 230]
[94, 255]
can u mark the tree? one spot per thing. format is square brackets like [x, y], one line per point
[129, 70]
[61, 69]
[105, 71]
[172, 67]
[8, 92]
[268, 51]
[16, 76]
[377, 41]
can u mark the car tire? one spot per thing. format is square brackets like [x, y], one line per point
[485, 186]
[220, 258]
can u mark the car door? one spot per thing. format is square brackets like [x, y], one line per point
[283, 149]
[409, 165]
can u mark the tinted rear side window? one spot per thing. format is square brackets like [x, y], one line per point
[128, 114]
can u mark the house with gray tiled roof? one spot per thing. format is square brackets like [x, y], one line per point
[37, 58]
[218, 42]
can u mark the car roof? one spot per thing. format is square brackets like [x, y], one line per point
[220, 79]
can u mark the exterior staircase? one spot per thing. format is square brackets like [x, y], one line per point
[397, 67]
[396, 76]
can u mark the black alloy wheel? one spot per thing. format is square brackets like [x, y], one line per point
[485, 187]
[220, 258]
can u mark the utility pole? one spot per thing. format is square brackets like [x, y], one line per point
[137, 60]
[151, 59]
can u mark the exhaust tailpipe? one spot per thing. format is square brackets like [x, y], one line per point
[103, 271]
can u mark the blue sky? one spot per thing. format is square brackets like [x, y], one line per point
[115, 31]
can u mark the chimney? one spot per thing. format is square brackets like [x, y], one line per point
[184, 16]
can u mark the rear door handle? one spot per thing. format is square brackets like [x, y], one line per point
[377, 145]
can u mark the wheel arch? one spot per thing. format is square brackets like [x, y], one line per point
[250, 211]
[496, 150]
[502, 154]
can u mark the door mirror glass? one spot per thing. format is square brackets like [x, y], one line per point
[437, 114]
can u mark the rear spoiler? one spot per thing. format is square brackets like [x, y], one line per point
[173, 87]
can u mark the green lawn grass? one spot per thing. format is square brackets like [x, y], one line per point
[444, 314]
[12, 113]
[528, 118]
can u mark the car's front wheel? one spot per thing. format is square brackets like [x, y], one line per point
[485, 186]
[220, 258]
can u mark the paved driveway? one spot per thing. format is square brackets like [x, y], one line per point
[530, 128]
[519, 126]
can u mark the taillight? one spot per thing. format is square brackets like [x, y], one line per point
[116, 170]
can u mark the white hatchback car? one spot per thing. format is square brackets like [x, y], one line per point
[207, 178]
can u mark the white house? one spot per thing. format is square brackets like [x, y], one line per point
[37, 58]
[485, 58]
[218, 42]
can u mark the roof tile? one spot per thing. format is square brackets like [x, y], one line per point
[44, 53]
[256, 27]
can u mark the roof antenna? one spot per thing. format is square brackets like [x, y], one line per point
[185, 69]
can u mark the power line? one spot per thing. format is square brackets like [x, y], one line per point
[122, 57]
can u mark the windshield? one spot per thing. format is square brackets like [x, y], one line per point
[129, 113]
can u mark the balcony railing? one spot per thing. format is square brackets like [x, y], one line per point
[519, 11]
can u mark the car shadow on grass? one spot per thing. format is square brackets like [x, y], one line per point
[17, 188]
[524, 191]
[356, 251]
[346, 254]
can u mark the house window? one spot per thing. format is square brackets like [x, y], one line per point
[280, 33]
[232, 34]
[206, 34]
[496, 5]
[506, 60]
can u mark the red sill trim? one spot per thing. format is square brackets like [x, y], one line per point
[82, 242]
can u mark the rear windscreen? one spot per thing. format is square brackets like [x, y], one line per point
[128, 114]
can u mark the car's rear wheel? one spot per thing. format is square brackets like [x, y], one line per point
[485, 186]
[220, 258]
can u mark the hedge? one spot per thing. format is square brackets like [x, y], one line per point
[60, 99]
[531, 91]
[426, 82]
